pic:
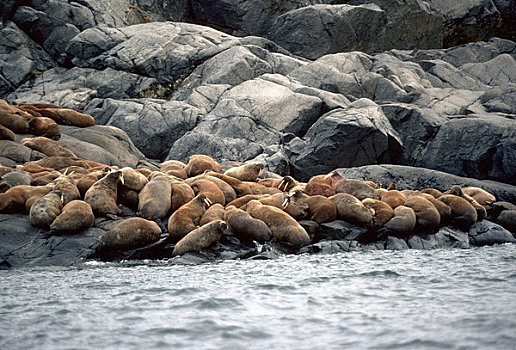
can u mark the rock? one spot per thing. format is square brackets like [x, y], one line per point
[75, 88]
[16, 153]
[20, 58]
[488, 233]
[468, 20]
[113, 145]
[164, 51]
[23, 245]
[395, 243]
[326, 247]
[419, 178]
[501, 99]
[362, 129]
[416, 127]
[459, 148]
[153, 125]
[507, 219]
[339, 230]
[446, 237]
[15, 178]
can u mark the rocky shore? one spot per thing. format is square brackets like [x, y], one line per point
[420, 93]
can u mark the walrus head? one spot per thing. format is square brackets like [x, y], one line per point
[456, 190]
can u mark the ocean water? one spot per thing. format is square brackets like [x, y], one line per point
[438, 299]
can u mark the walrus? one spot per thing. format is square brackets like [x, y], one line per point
[200, 238]
[87, 180]
[155, 198]
[403, 221]
[6, 134]
[507, 219]
[444, 211]
[186, 218]
[46, 127]
[319, 185]
[68, 116]
[13, 118]
[102, 195]
[480, 195]
[36, 192]
[75, 216]
[5, 169]
[227, 189]
[144, 171]
[127, 197]
[182, 193]
[242, 201]
[284, 228]
[31, 167]
[213, 213]
[199, 163]
[240, 188]
[46, 209]
[58, 162]
[68, 187]
[174, 168]
[245, 227]
[47, 146]
[283, 184]
[382, 211]
[133, 180]
[393, 198]
[246, 172]
[464, 214]
[258, 188]
[356, 188]
[210, 189]
[4, 187]
[13, 200]
[351, 209]
[433, 192]
[427, 216]
[320, 207]
[129, 234]
[457, 190]
[44, 178]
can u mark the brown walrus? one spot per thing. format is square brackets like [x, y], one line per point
[102, 195]
[47, 146]
[245, 227]
[76, 215]
[46, 209]
[155, 198]
[351, 209]
[200, 238]
[186, 218]
[129, 234]
[246, 172]
[199, 163]
[284, 228]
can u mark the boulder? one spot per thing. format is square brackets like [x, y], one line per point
[446, 237]
[15, 153]
[102, 143]
[488, 233]
[361, 129]
[75, 88]
[20, 58]
[395, 243]
[483, 147]
[153, 125]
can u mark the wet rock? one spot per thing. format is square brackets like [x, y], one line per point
[488, 233]
[326, 247]
[446, 237]
[395, 243]
[339, 230]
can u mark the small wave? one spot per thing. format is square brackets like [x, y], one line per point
[187, 291]
[416, 344]
[212, 303]
[385, 273]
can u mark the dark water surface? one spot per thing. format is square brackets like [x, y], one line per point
[439, 299]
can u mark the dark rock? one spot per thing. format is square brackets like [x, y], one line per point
[361, 129]
[420, 178]
[488, 233]
[326, 247]
[20, 58]
[459, 148]
[17, 153]
[23, 245]
[507, 219]
[15, 178]
[339, 230]
[395, 243]
[446, 237]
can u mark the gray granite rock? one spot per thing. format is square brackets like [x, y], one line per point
[481, 147]
[357, 135]
[16, 153]
[395, 243]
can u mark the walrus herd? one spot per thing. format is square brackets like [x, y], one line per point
[196, 203]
